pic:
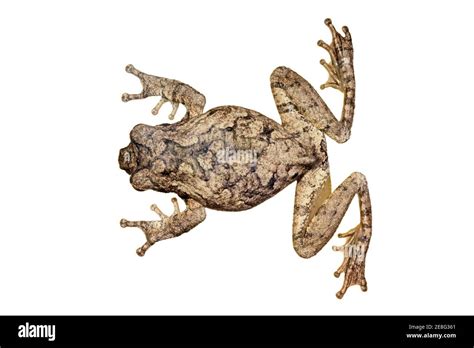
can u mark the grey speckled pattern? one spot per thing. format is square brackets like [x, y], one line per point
[232, 158]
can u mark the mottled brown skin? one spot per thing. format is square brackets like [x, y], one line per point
[232, 158]
[184, 158]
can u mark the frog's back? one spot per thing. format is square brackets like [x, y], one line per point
[230, 158]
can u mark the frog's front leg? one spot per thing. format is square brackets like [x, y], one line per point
[169, 90]
[169, 226]
[318, 213]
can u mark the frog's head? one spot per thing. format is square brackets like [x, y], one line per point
[128, 158]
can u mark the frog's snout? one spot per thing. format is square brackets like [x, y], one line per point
[128, 159]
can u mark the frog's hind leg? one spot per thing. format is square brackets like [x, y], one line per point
[298, 102]
[318, 213]
[168, 226]
[169, 90]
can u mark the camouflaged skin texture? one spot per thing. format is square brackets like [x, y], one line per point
[232, 158]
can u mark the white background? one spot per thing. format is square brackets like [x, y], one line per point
[62, 193]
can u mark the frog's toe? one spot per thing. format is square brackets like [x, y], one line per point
[354, 275]
[353, 265]
[132, 70]
[173, 111]
[157, 210]
[333, 80]
[336, 37]
[158, 106]
[347, 34]
[142, 250]
[349, 233]
[324, 45]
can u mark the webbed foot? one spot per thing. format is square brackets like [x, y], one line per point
[340, 69]
[354, 249]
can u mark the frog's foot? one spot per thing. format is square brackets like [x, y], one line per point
[340, 69]
[152, 86]
[168, 226]
[154, 230]
[354, 249]
[169, 90]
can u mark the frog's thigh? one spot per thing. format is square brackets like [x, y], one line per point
[321, 219]
[299, 103]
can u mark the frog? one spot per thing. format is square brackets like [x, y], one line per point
[232, 158]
